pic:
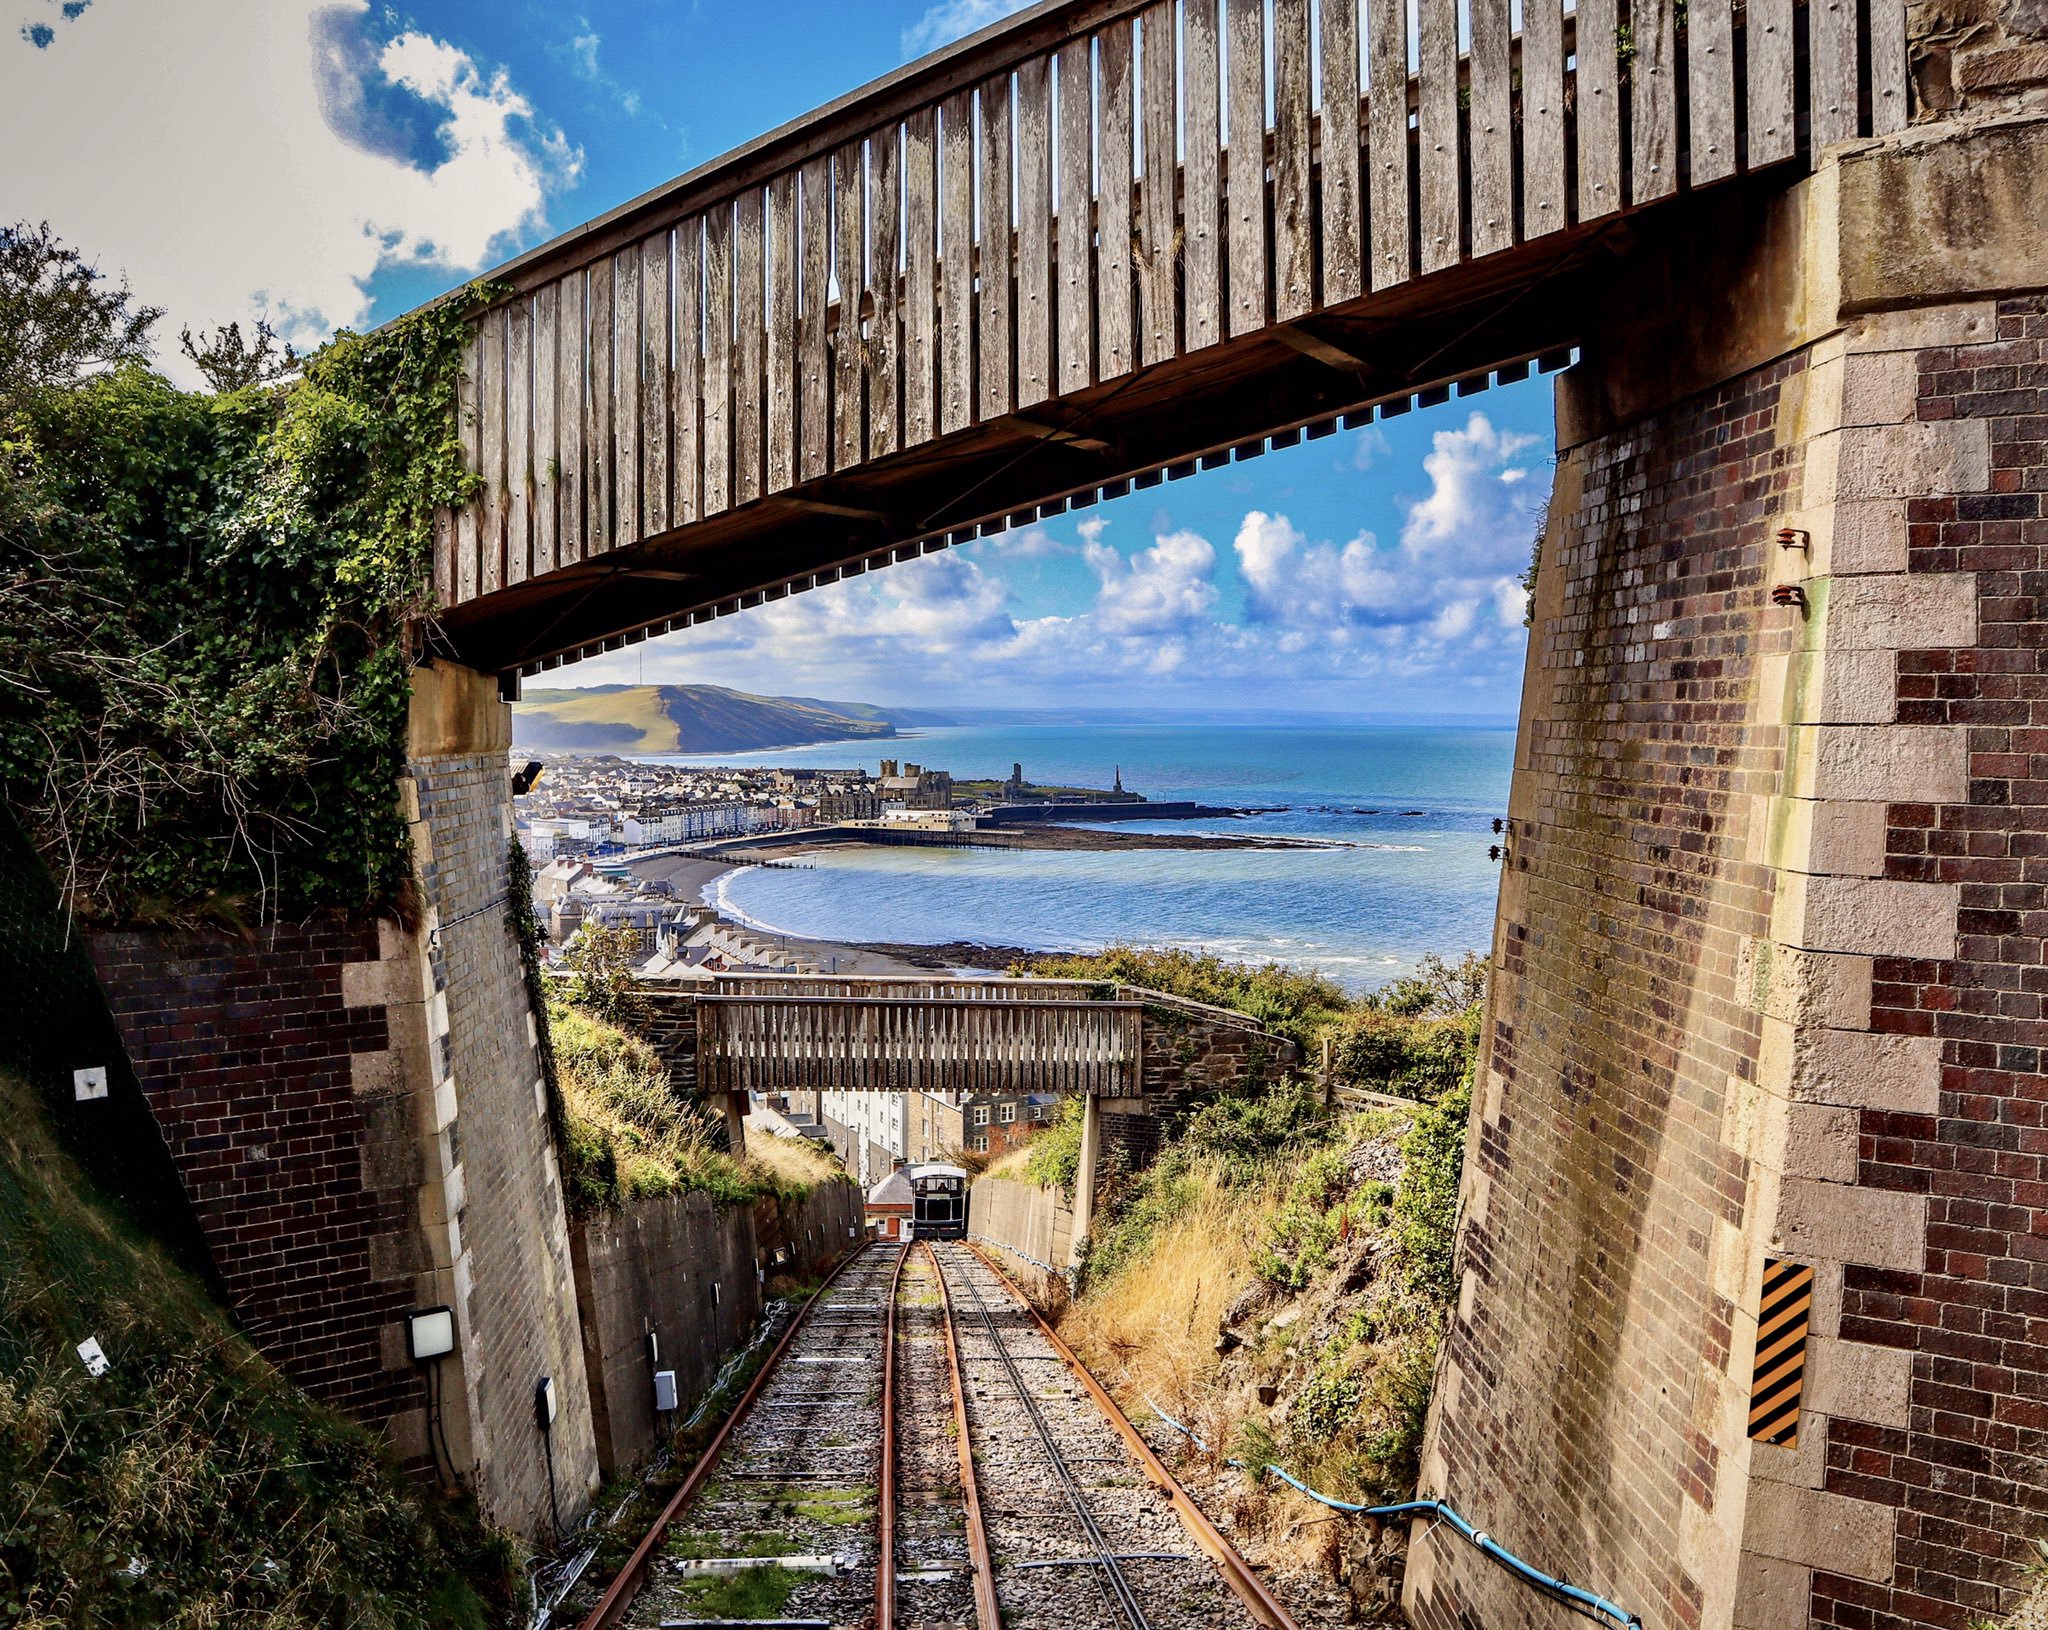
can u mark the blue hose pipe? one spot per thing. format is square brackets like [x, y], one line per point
[1558, 1590]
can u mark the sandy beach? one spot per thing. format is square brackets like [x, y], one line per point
[691, 876]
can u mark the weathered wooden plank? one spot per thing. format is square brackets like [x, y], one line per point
[1544, 207]
[1832, 48]
[1653, 100]
[717, 385]
[814, 299]
[626, 364]
[1598, 110]
[1294, 246]
[597, 416]
[1437, 129]
[1158, 218]
[747, 322]
[1393, 232]
[1888, 109]
[1034, 232]
[546, 459]
[1710, 88]
[656, 313]
[781, 383]
[885, 274]
[1075, 239]
[1115, 313]
[571, 393]
[1246, 172]
[1768, 48]
[687, 395]
[469, 428]
[995, 289]
[920, 276]
[491, 450]
[1342, 211]
[1491, 127]
[1202, 177]
[518, 441]
[956, 272]
[849, 347]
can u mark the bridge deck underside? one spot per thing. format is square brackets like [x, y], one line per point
[953, 301]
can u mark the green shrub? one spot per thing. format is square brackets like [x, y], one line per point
[1426, 1199]
[206, 603]
[1288, 1001]
[1054, 1160]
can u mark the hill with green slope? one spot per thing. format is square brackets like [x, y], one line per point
[685, 719]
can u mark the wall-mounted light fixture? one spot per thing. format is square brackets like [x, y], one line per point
[429, 1333]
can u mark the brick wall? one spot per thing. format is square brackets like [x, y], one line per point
[1570, 1413]
[267, 1069]
[1961, 1464]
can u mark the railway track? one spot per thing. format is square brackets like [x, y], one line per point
[922, 1450]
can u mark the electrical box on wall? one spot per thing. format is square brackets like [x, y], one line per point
[664, 1391]
[544, 1406]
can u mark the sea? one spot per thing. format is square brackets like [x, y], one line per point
[1406, 813]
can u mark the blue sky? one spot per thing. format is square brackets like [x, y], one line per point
[333, 164]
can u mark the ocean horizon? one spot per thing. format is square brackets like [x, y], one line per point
[1404, 814]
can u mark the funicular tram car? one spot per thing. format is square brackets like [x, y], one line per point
[940, 1209]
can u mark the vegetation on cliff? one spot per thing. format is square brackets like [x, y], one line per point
[628, 1133]
[206, 598]
[190, 1485]
[1279, 1278]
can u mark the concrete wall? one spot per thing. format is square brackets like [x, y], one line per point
[1769, 951]
[1022, 1217]
[691, 1273]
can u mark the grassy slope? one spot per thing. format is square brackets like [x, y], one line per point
[242, 1502]
[682, 718]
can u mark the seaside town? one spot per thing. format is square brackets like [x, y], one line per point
[620, 847]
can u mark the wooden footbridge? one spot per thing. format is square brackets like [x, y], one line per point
[803, 1033]
[1105, 243]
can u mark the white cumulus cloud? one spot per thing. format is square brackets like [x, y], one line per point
[952, 20]
[238, 157]
[1159, 590]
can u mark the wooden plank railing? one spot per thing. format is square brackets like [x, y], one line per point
[993, 228]
[919, 987]
[755, 1043]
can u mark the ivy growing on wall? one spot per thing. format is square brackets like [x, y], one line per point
[207, 601]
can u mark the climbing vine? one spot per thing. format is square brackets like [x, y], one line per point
[207, 608]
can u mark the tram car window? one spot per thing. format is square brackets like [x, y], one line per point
[940, 1211]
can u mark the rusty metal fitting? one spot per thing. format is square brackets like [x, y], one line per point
[1788, 594]
[1794, 537]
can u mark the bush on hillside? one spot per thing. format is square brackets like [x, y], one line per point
[631, 1136]
[1289, 1002]
[191, 1485]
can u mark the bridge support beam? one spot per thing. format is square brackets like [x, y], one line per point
[1768, 956]
[489, 1195]
[1085, 1176]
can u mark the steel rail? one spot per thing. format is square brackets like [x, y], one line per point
[1118, 1588]
[618, 1596]
[1250, 1589]
[986, 1611]
[885, 1486]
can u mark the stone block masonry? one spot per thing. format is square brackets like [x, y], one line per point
[494, 1240]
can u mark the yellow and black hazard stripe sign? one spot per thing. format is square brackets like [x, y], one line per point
[1780, 1372]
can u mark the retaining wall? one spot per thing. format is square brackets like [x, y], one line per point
[691, 1273]
[1022, 1216]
